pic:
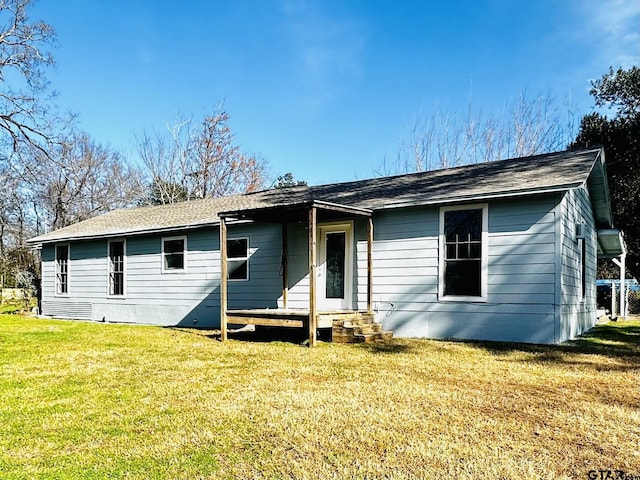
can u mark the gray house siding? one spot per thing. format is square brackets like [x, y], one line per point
[298, 260]
[533, 274]
[298, 263]
[264, 287]
[577, 312]
[189, 298]
[520, 304]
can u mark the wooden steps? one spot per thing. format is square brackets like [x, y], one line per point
[358, 327]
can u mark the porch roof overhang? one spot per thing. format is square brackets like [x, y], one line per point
[610, 243]
[284, 213]
[296, 212]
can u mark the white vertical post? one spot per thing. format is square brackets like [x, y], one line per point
[623, 286]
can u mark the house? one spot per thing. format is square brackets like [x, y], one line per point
[502, 250]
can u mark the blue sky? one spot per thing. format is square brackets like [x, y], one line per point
[324, 89]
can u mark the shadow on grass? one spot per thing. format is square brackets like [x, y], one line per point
[266, 334]
[390, 347]
[617, 340]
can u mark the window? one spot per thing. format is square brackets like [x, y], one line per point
[463, 255]
[116, 267]
[173, 254]
[238, 258]
[62, 269]
[582, 245]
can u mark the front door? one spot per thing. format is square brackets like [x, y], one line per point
[335, 266]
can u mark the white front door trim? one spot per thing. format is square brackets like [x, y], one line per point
[325, 303]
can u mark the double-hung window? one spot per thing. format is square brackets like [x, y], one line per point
[116, 267]
[463, 253]
[238, 258]
[174, 254]
[62, 269]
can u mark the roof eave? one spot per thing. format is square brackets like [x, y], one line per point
[610, 243]
[129, 233]
[293, 209]
[598, 187]
[482, 197]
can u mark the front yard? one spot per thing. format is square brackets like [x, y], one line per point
[89, 400]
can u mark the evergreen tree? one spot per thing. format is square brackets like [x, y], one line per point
[619, 134]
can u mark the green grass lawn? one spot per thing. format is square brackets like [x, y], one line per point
[90, 400]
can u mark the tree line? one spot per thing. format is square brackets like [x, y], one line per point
[531, 125]
[53, 174]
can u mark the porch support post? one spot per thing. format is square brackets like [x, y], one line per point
[312, 276]
[622, 265]
[223, 279]
[623, 285]
[285, 266]
[369, 265]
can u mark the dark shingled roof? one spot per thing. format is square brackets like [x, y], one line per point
[552, 172]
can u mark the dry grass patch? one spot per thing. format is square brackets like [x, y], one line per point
[85, 400]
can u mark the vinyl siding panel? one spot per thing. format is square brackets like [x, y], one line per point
[532, 275]
[298, 261]
[577, 314]
[520, 304]
[188, 298]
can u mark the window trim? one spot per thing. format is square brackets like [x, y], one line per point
[229, 259]
[184, 252]
[57, 292]
[484, 255]
[124, 268]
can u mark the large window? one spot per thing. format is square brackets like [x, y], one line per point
[463, 252]
[116, 267]
[238, 258]
[174, 254]
[62, 269]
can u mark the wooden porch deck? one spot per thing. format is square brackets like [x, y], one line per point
[281, 317]
[347, 326]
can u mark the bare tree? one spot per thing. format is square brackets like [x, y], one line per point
[79, 180]
[23, 58]
[188, 162]
[526, 126]
[165, 159]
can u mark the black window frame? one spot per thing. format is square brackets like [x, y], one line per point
[237, 265]
[62, 268]
[174, 261]
[117, 266]
[463, 253]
